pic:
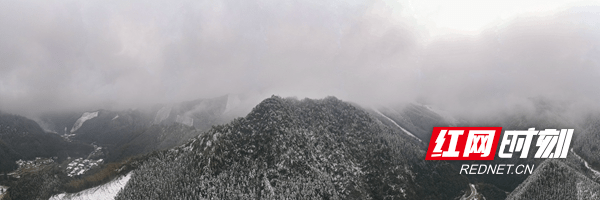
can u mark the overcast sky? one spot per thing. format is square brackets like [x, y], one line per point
[458, 55]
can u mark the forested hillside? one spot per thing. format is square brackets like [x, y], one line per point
[286, 148]
[289, 148]
[22, 138]
[82, 148]
[554, 179]
[137, 131]
[155, 137]
[586, 143]
[416, 119]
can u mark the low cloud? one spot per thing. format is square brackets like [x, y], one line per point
[96, 54]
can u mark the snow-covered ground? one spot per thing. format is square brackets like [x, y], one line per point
[79, 166]
[107, 191]
[162, 114]
[86, 116]
[406, 131]
[2, 190]
[67, 137]
[97, 153]
[185, 120]
[25, 164]
[30, 166]
[446, 115]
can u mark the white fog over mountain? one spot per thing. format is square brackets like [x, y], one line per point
[287, 99]
[463, 56]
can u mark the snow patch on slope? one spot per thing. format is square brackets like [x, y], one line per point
[162, 114]
[185, 120]
[86, 116]
[406, 131]
[445, 115]
[3, 190]
[107, 191]
[48, 127]
[79, 166]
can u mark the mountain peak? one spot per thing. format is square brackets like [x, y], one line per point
[289, 148]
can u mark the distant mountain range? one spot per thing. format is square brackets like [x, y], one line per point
[133, 132]
[282, 148]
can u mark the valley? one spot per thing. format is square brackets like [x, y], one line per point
[283, 148]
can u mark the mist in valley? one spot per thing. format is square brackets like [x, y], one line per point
[290, 99]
